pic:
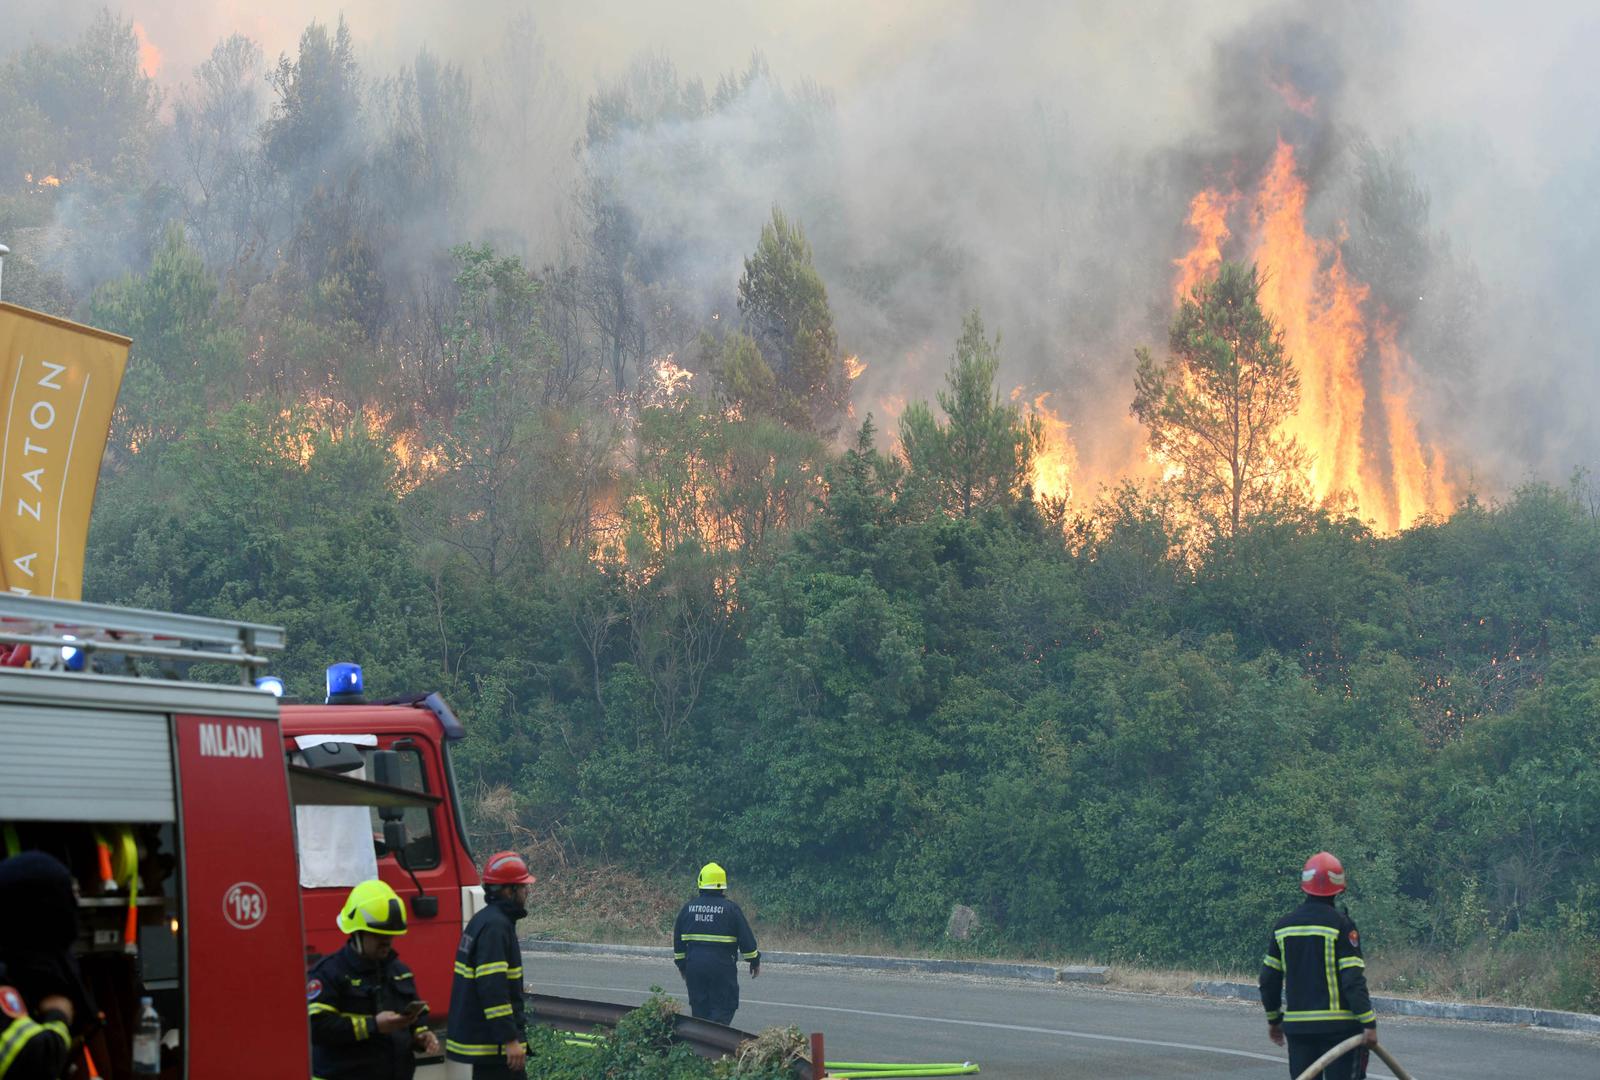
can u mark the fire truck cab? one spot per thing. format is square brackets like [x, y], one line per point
[212, 830]
[404, 744]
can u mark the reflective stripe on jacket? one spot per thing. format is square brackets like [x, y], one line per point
[712, 928]
[1313, 975]
[343, 998]
[486, 1009]
[30, 1048]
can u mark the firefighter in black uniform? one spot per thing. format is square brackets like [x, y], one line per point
[40, 991]
[362, 1000]
[1313, 979]
[486, 1014]
[709, 938]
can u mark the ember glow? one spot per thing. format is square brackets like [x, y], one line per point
[1356, 382]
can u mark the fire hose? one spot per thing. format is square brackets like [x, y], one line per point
[870, 1070]
[1344, 1048]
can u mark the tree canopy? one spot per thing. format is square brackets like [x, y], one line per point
[982, 454]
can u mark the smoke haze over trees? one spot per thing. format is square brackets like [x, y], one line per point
[1036, 163]
[531, 354]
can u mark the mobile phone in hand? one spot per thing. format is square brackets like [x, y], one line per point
[416, 1009]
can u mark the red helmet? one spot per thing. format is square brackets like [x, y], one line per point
[506, 868]
[1323, 875]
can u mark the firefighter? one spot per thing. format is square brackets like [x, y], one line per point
[1313, 980]
[709, 937]
[40, 991]
[486, 1017]
[366, 1019]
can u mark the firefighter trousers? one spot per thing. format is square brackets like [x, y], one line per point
[713, 990]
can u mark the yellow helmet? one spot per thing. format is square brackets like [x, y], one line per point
[374, 907]
[713, 876]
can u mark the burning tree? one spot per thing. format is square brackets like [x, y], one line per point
[1216, 411]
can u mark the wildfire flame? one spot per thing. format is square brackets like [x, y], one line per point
[43, 181]
[149, 55]
[1056, 462]
[1208, 217]
[414, 461]
[853, 367]
[1364, 445]
[668, 379]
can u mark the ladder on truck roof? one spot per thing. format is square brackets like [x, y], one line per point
[42, 622]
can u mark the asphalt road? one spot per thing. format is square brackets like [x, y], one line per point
[1016, 1030]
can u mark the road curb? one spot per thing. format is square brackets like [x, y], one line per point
[1436, 1010]
[991, 969]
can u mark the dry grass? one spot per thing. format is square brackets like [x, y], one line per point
[599, 903]
[774, 1048]
[1529, 973]
[1153, 981]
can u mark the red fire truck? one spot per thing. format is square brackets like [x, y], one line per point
[214, 829]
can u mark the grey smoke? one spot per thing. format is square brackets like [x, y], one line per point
[1036, 160]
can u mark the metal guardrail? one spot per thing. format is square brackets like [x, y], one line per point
[706, 1039]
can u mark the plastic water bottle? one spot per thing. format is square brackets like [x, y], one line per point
[147, 1041]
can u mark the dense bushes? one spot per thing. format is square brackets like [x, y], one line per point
[912, 711]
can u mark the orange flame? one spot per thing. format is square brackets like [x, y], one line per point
[1318, 307]
[43, 181]
[1369, 450]
[1208, 217]
[853, 367]
[415, 462]
[1420, 486]
[667, 378]
[149, 55]
[1056, 463]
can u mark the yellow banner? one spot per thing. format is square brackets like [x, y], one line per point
[58, 385]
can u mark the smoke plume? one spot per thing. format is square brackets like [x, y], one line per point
[1036, 160]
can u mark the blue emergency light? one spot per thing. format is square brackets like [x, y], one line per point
[344, 683]
[72, 657]
[271, 684]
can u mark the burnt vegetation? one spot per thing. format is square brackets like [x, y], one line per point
[622, 505]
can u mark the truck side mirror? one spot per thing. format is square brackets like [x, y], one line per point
[386, 770]
[386, 767]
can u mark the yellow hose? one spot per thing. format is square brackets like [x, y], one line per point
[1344, 1048]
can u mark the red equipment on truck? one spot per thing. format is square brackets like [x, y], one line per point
[175, 805]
